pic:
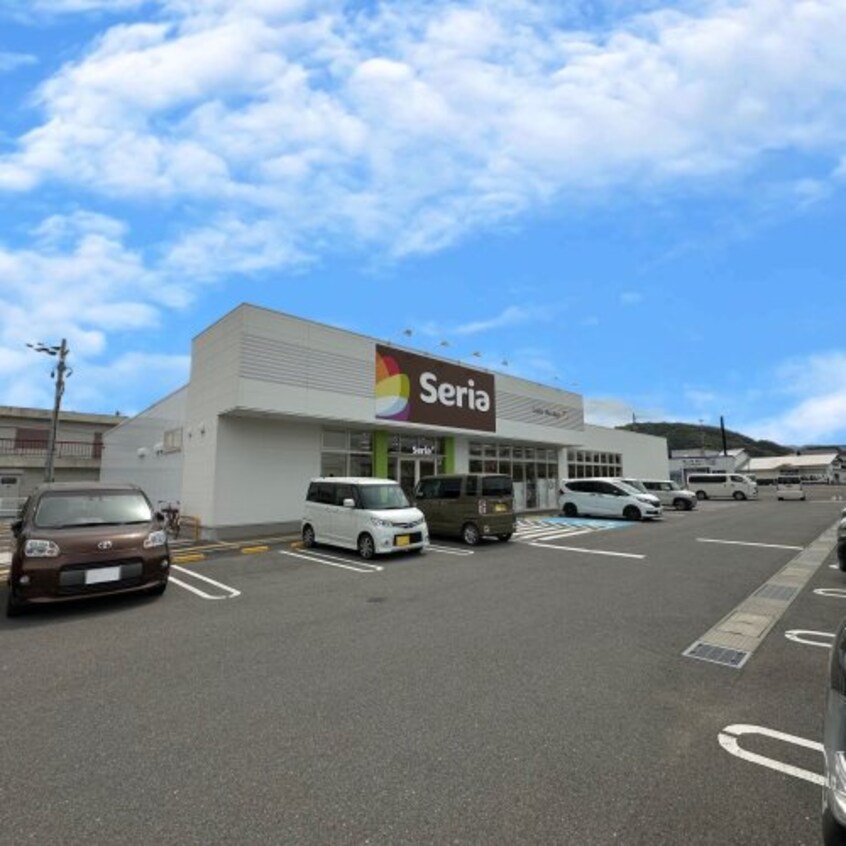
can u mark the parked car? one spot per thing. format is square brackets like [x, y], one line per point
[668, 492]
[470, 506]
[606, 498]
[372, 516]
[722, 486]
[789, 487]
[84, 539]
[841, 542]
[834, 740]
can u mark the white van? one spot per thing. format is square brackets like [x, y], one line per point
[670, 493]
[722, 486]
[606, 498]
[372, 516]
[789, 487]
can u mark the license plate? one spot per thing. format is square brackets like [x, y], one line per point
[500, 507]
[102, 574]
[402, 540]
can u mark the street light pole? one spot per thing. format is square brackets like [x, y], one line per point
[59, 374]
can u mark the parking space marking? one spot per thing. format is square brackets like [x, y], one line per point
[729, 740]
[747, 543]
[607, 552]
[333, 561]
[837, 593]
[448, 550]
[231, 593]
[807, 636]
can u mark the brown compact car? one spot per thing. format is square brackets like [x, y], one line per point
[81, 539]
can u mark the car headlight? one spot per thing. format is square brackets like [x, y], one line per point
[647, 500]
[383, 524]
[41, 549]
[154, 539]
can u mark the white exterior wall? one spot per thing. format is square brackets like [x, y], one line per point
[264, 467]
[158, 473]
[644, 456]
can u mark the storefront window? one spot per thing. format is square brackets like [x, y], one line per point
[333, 464]
[346, 453]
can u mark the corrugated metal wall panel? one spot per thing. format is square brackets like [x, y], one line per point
[537, 412]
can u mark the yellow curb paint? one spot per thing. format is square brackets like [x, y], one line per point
[297, 545]
[185, 559]
[249, 550]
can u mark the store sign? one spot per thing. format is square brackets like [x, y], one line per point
[418, 389]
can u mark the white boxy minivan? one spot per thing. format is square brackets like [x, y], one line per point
[789, 487]
[722, 486]
[372, 516]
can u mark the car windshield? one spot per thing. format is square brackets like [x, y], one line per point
[636, 485]
[630, 488]
[675, 486]
[58, 511]
[383, 497]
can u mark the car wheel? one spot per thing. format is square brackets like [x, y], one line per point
[632, 512]
[681, 504]
[570, 509]
[700, 495]
[14, 606]
[841, 563]
[366, 547]
[739, 495]
[833, 834]
[158, 590]
[505, 537]
[308, 537]
[470, 534]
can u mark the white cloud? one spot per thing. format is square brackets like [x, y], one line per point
[410, 125]
[13, 61]
[510, 316]
[817, 385]
[631, 297]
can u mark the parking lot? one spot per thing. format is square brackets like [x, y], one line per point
[528, 692]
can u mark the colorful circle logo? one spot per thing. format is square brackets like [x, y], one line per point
[392, 390]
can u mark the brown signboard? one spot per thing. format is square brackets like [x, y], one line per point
[417, 389]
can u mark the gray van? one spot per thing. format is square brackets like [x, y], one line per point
[470, 506]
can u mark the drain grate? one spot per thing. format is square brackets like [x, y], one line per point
[780, 593]
[717, 654]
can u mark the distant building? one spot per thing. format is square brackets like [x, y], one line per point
[24, 435]
[683, 462]
[810, 466]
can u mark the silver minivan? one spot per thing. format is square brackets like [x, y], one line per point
[670, 493]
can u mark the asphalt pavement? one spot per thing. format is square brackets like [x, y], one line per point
[529, 692]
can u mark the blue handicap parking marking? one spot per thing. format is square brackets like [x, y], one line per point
[586, 522]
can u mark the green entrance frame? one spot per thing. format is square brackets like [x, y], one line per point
[449, 454]
[380, 455]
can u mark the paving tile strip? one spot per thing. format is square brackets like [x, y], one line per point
[732, 641]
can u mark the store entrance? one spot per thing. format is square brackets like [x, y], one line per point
[409, 471]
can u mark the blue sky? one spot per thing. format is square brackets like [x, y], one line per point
[638, 201]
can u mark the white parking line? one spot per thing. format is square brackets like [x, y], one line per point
[330, 561]
[448, 550]
[807, 636]
[730, 735]
[552, 534]
[837, 593]
[747, 543]
[231, 593]
[588, 551]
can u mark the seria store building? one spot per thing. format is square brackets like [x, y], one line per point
[274, 401]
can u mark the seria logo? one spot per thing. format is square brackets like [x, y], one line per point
[392, 389]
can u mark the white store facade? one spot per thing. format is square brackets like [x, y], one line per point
[274, 400]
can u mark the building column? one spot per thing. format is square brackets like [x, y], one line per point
[449, 454]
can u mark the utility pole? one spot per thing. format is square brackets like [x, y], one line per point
[60, 373]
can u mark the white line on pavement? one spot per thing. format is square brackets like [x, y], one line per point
[446, 550]
[729, 736]
[807, 636]
[588, 551]
[747, 543]
[231, 593]
[330, 561]
[837, 593]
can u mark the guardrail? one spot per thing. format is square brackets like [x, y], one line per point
[64, 449]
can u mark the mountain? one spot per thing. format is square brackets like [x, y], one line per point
[694, 436]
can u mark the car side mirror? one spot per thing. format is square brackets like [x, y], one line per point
[159, 516]
[16, 527]
[349, 502]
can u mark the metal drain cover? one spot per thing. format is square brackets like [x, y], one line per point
[717, 654]
[780, 593]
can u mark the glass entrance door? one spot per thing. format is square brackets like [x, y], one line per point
[409, 471]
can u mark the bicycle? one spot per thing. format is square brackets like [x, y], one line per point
[172, 518]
